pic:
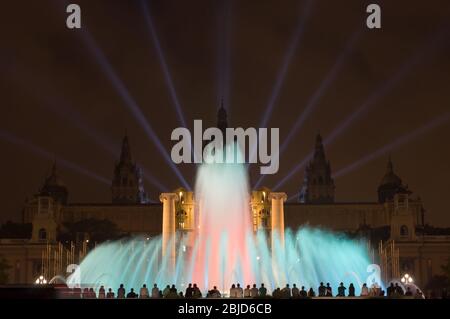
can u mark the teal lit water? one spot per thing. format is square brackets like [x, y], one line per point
[224, 249]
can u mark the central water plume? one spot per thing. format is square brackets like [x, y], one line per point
[224, 231]
[224, 249]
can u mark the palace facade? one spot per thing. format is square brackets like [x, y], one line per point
[403, 246]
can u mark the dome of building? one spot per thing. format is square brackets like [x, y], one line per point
[55, 187]
[390, 184]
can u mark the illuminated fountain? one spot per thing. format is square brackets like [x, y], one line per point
[224, 248]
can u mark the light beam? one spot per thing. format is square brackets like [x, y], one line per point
[404, 139]
[224, 53]
[129, 102]
[281, 75]
[380, 92]
[11, 138]
[62, 108]
[163, 63]
[314, 99]
[298, 33]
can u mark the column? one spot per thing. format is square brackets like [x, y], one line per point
[277, 217]
[168, 227]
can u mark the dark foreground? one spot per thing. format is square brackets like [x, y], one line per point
[29, 298]
[62, 293]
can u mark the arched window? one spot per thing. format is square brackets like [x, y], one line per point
[42, 235]
[404, 230]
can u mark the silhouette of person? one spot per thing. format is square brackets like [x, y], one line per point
[215, 293]
[341, 290]
[277, 293]
[286, 292]
[364, 291]
[262, 291]
[398, 289]
[390, 290]
[173, 293]
[189, 291]
[247, 292]
[101, 293]
[295, 291]
[121, 292]
[143, 293]
[166, 291]
[197, 292]
[321, 290]
[351, 290]
[110, 294]
[408, 292]
[131, 294]
[302, 292]
[254, 291]
[240, 291]
[233, 292]
[329, 292]
[419, 294]
[155, 291]
[311, 293]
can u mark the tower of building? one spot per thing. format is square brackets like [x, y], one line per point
[390, 185]
[127, 185]
[318, 185]
[222, 119]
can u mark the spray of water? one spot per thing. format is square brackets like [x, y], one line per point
[224, 249]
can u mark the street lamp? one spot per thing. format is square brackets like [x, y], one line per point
[406, 279]
[41, 280]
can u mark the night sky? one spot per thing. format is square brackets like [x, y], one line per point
[64, 92]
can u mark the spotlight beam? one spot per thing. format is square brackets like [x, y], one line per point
[294, 171]
[404, 139]
[224, 53]
[281, 75]
[163, 63]
[388, 86]
[60, 106]
[64, 110]
[149, 177]
[293, 197]
[382, 90]
[129, 102]
[298, 33]
[314, 99]
[10, 138]
[436, 122]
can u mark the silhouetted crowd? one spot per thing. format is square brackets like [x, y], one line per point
[236, 291]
